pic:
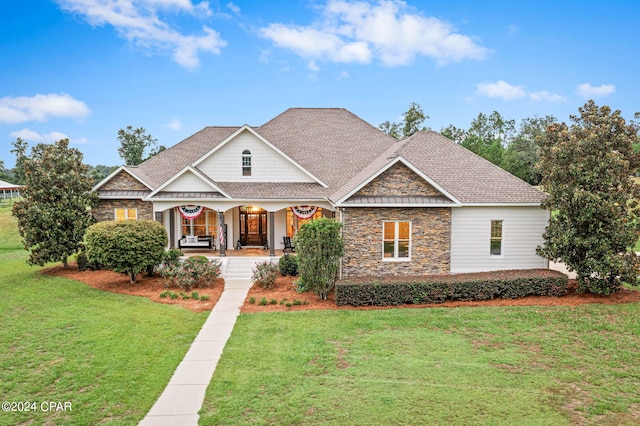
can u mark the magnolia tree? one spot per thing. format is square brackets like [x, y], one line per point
[586, 171]
[55, 210]
[320, 249]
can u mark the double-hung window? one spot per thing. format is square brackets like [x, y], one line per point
[396, 240]
[122, 214]
[496, 238]
[246, 163]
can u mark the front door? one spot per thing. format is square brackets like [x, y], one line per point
[253, 226]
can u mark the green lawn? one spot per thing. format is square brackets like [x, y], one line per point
[108, 355]
[493, 365]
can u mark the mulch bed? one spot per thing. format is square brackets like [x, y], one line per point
[283, 290]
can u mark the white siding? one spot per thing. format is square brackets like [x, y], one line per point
[522, 230]
[267, 165]
[188, 182]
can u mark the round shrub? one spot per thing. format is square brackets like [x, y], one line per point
[128, 247]
[288, 265]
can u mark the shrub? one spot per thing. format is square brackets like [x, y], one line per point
[83, 261]
[128, 247]
[172, 257]
[300, 286]
[195, 295]
[265, 274]
[288, 265]
[204, 297]
[437, 289]
[195, 271]
[263, 302]
[320, 249]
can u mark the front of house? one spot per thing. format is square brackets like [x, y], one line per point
[423, 205]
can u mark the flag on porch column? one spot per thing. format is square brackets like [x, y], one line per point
[221, 235]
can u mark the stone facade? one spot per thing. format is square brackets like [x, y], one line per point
[123, 181]
[398, 180]
[430, 241]
[105, 209]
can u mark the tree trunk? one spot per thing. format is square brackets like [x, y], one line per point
[65, 263]
[132, 275]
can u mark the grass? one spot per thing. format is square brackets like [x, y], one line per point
[109, 355]
[493, 365]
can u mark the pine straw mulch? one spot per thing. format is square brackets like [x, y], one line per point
[283, 293]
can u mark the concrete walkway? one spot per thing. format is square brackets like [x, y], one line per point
[182, 398]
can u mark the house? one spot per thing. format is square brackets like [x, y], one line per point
[423, 205]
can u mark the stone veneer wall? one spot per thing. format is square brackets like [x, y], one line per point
[398, 180]
[430, 241]
[123, 181]
[105, 209]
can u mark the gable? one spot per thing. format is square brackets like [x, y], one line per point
[123, 181]
[398, 180]
[188, 181]
[267, 164]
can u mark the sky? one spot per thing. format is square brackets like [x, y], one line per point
[83, 69]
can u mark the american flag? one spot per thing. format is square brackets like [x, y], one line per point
[221, 234]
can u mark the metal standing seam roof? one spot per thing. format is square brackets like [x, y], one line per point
[344, 151]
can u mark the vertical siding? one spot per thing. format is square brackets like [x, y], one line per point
[267, 165]
[522, 230]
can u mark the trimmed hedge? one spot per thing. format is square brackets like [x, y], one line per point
[383, 291]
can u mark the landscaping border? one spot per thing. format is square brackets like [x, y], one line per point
[512, 284]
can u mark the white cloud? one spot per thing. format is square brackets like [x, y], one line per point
[139, 22]
[40, 107]
[174, 124]
[388, 31]
[501, 89]
[586, 90]
[546, 96]
[33, 136]
[343, 75]
[234, 8]
[313, 66]
[508, 92]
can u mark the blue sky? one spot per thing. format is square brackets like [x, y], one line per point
[83, 69]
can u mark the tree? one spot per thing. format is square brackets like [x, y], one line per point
[20, 150]
[413, 119]
[320, 248]
[128, 247]
[55, 211]
[489, 135]
[134, 143]
[521, 156]
[2, 172]
[585, 171]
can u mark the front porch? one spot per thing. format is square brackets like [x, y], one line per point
[245, 252]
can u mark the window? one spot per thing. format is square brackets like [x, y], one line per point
[396, 240]
[294, 222]
[246, 163]
[496, 238]
[203, 225]
[122, 214]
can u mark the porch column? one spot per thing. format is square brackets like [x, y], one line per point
[272, 233]
[172, 228]
[221, 241]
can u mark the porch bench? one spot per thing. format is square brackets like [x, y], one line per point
[190, 241]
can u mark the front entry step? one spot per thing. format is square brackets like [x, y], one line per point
[242, 267]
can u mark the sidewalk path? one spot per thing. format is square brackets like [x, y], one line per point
[182, 398]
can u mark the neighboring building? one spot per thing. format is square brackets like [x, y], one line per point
[423, 205]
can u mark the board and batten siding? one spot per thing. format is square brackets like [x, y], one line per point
[267, 165]
[522, 229]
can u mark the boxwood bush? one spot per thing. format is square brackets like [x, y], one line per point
[128, 247]
[382, 291]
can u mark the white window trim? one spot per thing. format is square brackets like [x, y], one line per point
[246, 154]
[126, 213]
[501, 255]
[395, 257]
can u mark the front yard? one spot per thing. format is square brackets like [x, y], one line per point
[108, 355]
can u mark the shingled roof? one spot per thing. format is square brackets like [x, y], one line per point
[344, 151]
